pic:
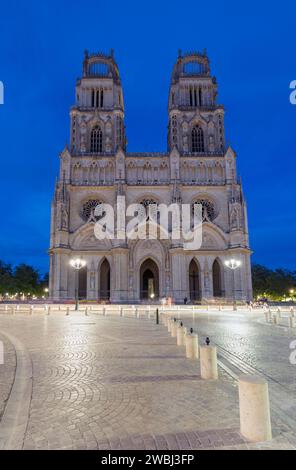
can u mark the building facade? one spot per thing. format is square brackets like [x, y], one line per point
[197, 168]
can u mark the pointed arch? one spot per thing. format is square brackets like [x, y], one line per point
[194, 281]
[96, 140]
[217, 278]
[149, 280]
[104, 279]
[197, 139]
[82, 283]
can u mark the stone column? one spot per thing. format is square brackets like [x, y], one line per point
[179, 279]
[119, 277]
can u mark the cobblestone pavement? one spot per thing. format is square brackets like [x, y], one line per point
[122, 383]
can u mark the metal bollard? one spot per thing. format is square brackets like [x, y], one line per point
[157, 317]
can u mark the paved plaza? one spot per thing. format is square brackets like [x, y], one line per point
[110, 382]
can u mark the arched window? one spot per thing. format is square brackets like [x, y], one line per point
[96, 140]
[104, 286]
[194, 281]
[89, 207]
[207, 209]
[119, 131]
[197, 139]
[217, 282]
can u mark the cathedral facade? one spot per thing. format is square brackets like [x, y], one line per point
[197, 168]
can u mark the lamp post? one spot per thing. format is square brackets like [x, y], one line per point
[77, 264]
[233, 264]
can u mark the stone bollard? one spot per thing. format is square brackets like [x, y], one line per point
[181, 335]
[86, 311]
[191, 343]
[48, 311]
[254, 408]
[291, 321]
[67, 311]
[208, 362]
[275, 319]
[292, 313]
[266, 314]
[279, 312]
[104, 311]
[169, 324]
[174, 327]
[31, 309]
[13, 310]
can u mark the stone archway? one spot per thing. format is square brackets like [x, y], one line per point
[104, 285]
[82, 283]
[194, 281]
[149, 280]
[217, 279]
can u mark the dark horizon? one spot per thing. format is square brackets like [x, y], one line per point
[252, 57]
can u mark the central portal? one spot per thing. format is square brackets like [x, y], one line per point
[149, 280]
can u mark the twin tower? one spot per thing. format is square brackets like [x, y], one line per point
[197, 168]
[193, 92]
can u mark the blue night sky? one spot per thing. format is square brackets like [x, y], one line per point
[251, 46]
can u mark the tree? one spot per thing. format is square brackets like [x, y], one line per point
[7, 281]
[26, 279]
[273, 284]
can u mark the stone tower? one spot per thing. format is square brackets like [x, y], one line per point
[97, 119]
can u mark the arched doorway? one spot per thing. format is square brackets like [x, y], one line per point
[104, 287]
[82, 283]
[149, 280]
[217, 282]
[194, 281]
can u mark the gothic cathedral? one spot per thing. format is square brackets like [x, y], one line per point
[197, 168]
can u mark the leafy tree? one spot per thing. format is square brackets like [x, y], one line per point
[7, 281]
[273, 284]
[26, 279]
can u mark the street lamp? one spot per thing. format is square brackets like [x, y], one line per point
[233, 264]
[77, 264]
